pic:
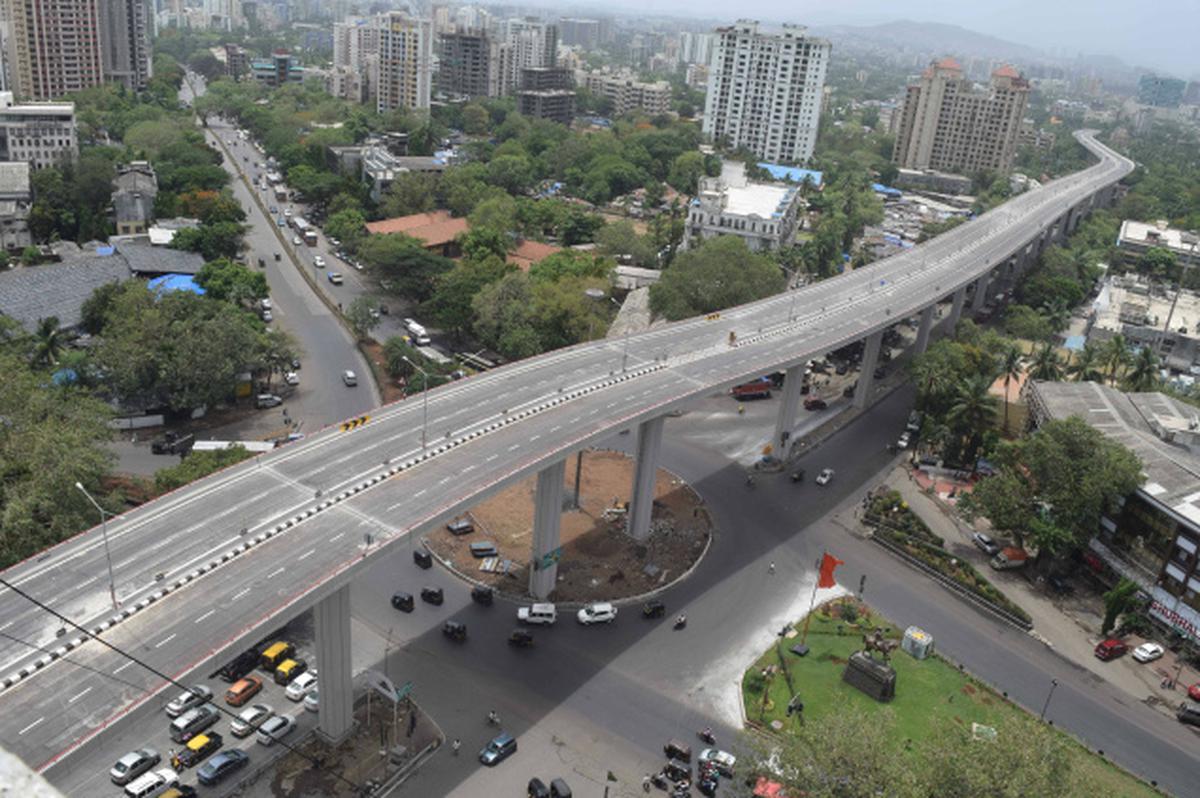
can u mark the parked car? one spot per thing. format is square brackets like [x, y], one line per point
[266, 400]
[133, 764]
[291, 378]
[483, 549]
[301, 686]
[825, 476]
[1188, 714]
[985, 542]
[1194, 692]
[500, 748]
[722, 759]
[1110, 649]
[601, 612]
[1148, 652]
[220, 766]
[194, 696]
[274, 729]
[537, 789]
[813, 403]
[249, 719]
[904, 440]
[312, 701]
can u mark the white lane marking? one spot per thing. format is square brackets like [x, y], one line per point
[79, 695]
[420, 493]
[5, 626]
[514, 447]
[305, 555]
[166, 640]
[123, 667]
[240, 593]
[556, 429]
[31, 725]
[534, 438]
[491, 458]
[468, 468]
[206, 616]
[276, 572]
[335, 537]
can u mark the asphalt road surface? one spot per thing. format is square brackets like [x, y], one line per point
[357, 493]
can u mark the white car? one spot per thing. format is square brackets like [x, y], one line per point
[905, 440]
[318, 261]
[194, 696]
[268, 316]
[825, 476]
[722, 759]
[287, 212]
[264, 303]
[296, 241]
[1147, 652]
[350, 378]
[275, 728]
[250, 719]
[597, 613]
[301, 686]
[291, 378]
[312, 701]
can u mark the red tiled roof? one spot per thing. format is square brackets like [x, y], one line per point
[432, 229]
[1006, 71]
[948, 63]
[528, 253]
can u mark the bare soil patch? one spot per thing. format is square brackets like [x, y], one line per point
[599, 560]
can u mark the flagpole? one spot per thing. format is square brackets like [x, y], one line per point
[813, 602]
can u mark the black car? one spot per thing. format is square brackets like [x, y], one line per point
[455, 630]
[482, 594]
[422, 559]
[1059, 585]
[520, 637]
[432, 595]
[402, 601]
[537, 789]
[653, 609]
[246, 662]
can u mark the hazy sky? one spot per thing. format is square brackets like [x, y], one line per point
[1156, 33]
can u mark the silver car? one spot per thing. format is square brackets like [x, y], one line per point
[274, 729]
[133, 764]
[194, 696]
[250, 719]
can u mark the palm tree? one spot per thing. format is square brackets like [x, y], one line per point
[1115, 355]
[1143, 371]
[1010, 370]
[1046, 364]
[973, 411]
[1086, 365]
[49, 342]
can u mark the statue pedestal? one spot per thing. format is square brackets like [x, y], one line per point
[873, 677]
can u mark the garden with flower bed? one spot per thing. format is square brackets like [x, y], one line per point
[893, 521]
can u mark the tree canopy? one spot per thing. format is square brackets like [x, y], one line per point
[720, 273]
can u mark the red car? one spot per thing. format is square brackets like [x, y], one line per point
[1110, 649]
[1194, 692]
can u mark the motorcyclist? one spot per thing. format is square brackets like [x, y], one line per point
[707, 735]
[493, 717]
[681, 620]
[457, 744]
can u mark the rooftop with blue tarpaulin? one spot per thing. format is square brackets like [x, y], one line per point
[793, 173]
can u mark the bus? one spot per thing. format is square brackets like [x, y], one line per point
[310, 237]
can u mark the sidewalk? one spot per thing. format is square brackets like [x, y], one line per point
[1069, 624]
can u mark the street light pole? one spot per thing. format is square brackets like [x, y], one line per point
[424, 398]
[1053, 684]
[112, 587]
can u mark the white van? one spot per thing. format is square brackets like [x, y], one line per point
[419, 334]
[539, 613]
[152, 784]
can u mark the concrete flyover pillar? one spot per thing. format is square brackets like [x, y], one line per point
[866, 377]
[786, 419]
[923, 329]
[331, 617]
[641, 501]
[960, 298]
[547, 528]
[981, 289]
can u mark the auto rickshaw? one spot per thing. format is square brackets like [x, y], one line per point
[798, 475]
[455, 630]
[520, 638]
[654, 609]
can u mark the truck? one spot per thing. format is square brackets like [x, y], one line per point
[1008, 558]
[310, 237]
[755, 389]
[419, 335]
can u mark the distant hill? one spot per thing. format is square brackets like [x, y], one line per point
[935, 37]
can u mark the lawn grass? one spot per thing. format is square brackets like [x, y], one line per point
[930, 694]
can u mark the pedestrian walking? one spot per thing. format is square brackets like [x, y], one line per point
[771, 567]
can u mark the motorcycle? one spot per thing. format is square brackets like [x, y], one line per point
[707, 736]
[681, 622]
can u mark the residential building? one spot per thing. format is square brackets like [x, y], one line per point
[546, 93]
[281, 68]
[1030, 135]
[1138, 309]
[468, 64]
[1161, 92]
[403, 77]
[1136, 238]
[125, 42]
[764, 215]
[1153, 537]
[697, 75]
[695, 48]
[764, 91]
[135, 188]
[627, 93]
[583, 33]
[354, 40]
[526, 43]
[949, 124]
[56, 46]
[16, 197]
[380, 168]
[40, 134]
[933, 180]
[436, 230]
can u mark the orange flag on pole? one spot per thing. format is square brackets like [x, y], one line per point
[828, 564]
